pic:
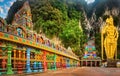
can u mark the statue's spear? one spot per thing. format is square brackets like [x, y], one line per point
[102, 43]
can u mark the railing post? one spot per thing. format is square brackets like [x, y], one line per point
[20, 65]
[35, 66]
[9, 65]
[28, 61]
[44, 61]
[14, 58]
[55, 62]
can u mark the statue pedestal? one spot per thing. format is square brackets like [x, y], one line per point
[111, 63]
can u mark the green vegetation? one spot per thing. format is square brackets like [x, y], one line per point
[56, 18]
[64, 19]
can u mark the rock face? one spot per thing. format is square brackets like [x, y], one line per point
[95, 24]
[98, 11]
[114, 11]
[95, 19]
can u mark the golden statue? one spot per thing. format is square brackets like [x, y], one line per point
[110, 33]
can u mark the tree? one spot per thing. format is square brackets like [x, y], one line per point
[49, 21]
[98, 43]
[72, 34]
[59, 18]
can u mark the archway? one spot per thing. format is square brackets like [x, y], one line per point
[20, 31]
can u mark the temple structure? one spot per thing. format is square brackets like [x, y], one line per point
[90, 50]
[24, 51]
[24, 17]
[90, 57]
[23, 21]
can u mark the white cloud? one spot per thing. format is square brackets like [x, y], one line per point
[11, 3]
[1, 10]
[1, 0]
[6, 7]
[89, 1]
[3, 15]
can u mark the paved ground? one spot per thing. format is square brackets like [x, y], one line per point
[81, 71]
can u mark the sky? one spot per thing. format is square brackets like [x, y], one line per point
[89, 1]
[5, 6]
